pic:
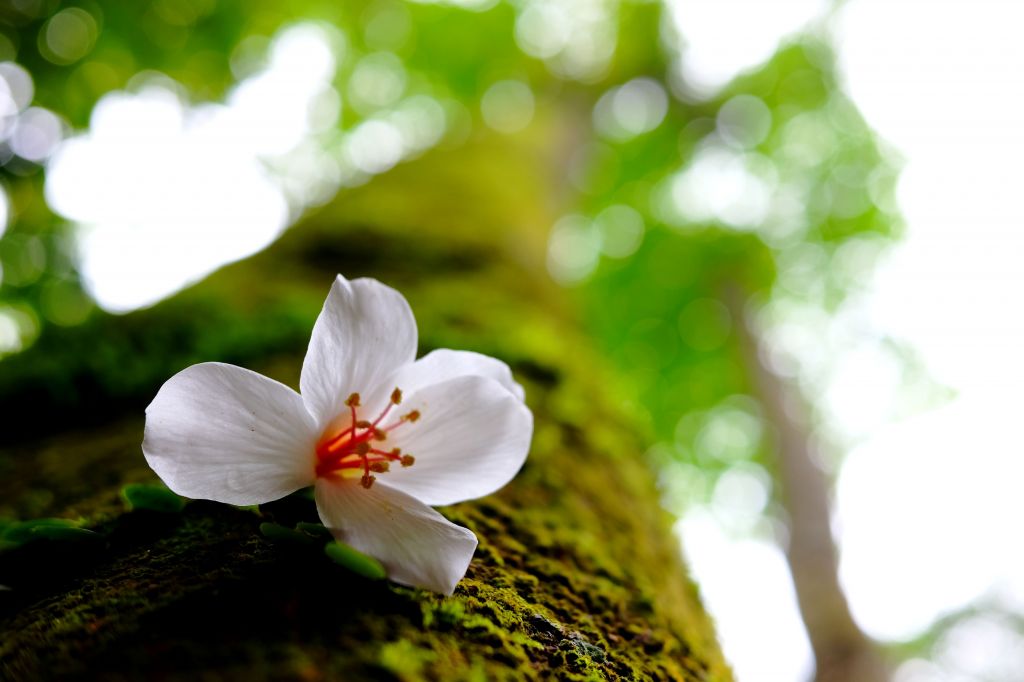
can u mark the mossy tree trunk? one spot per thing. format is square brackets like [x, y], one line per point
[577, 574]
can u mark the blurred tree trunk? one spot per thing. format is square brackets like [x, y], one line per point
[842, 652]
[577, 575]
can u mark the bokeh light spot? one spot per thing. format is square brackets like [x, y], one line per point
[573, 249]
[64, 303]
[68, 36]
[576, 38]
[740, 497]
[307, 53]
[377, 81]
[632, 109]
[542, 29]
[249, 56]
[16, 89]
[744, 121]
[621, 229]
[324, 110]
[682, 484]
[721, 185]
[37, 134]
[507, 106]
[374, 146]
[387, 25]
[19, 327]
[808, 139]
[731, 431]
[421, 121]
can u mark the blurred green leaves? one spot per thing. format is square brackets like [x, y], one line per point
[773, 191]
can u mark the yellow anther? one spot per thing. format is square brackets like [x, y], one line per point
[408, 460]
[363, 424]
[379, 435]
[380, 467]
[367, 480]
[412, 416]
[396, 396]
[363, 449]
[353, 400]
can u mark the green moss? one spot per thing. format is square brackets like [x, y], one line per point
[405, 659]
[577, 575]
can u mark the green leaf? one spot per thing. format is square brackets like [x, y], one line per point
[278, 533]
[24, 531]
[152, 498]
[315, 529]
[65, 534]
[355, 561]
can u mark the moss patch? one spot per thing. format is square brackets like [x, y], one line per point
[576, 577]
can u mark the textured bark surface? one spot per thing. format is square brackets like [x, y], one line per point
[577, 575]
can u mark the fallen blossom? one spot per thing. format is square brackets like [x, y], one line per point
[380, 435]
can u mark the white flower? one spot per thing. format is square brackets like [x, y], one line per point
[379, 434]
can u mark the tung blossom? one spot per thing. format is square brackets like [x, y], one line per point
[380, 435]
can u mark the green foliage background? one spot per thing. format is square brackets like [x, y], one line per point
[641, 306]
[662, 313]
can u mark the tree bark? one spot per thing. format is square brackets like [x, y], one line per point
[842, 652]
[577, 575]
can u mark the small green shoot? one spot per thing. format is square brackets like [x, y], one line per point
[60, 530]
[151, 498]
[317, 530]
[355, 561]
[281, 534]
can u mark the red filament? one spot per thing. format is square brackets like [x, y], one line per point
[356, 446]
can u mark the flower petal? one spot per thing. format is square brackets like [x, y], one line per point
[365, 332]
[416, 545]
[470, 440]
[220, 432]
[444, 364]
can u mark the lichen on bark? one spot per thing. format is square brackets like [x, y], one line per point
[577, 575]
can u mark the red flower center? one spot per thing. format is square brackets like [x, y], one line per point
[358, 447]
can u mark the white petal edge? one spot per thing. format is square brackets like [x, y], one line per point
[219, 432]
[471, 439]
[364, 334]
[417, 546]
[444, 364]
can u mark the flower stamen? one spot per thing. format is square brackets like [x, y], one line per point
[352, 450]
[353, 403]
